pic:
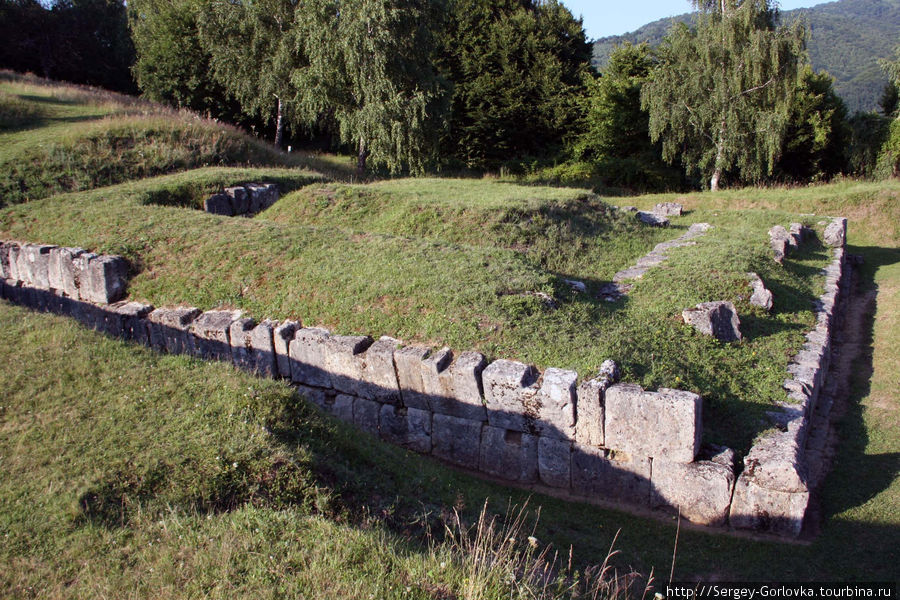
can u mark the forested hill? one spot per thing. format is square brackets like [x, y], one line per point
[847, 39]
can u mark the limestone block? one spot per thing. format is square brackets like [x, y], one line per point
[239, 338]
[779, 241]
[668, 209]
[456, 440]
[509, 391]
[263, 346]
[103, 279]
[589, 427]
[763, 509]
[718, 319]
[776, 461]
[12, 250]
[316, 396]
[54, 269]
[700, 491]
[344, 363]
[262, 196]
[556, 404]
[36, 261]
[366, 414]
[761, 296]
[836, 233]
[71, 267]
[697, 229]
[282, 336]
[454, 388]
[408, 361]
[378, 372]
[219, 204]
[407, 427]
[799, 233]
[210, 331]
[666, 424]
[510, 455]
[597, 473]
[650, 218]
[555, 462]
[240, 200]
[169, 329]
[308, 353]
[340, 406]
[132, 320]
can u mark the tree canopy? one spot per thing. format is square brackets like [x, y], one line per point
[720, 98]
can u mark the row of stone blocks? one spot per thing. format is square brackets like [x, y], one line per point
[596, 440]
[246, 199]
[772, 493]
[73, 272]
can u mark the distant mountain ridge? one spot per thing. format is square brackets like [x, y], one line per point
[847, 38]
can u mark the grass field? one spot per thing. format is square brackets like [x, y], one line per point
[129, 474]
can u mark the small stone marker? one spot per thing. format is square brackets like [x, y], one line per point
[668, 209]
[761, 296]
[653, 219]
[780, 241]
[836, 233]
[718, 319]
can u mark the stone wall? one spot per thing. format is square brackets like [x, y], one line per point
[595, 439]
[242, 200]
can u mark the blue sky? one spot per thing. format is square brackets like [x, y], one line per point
[615, 17]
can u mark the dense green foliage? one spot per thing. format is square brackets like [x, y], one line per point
[846, 39]
[370, 69]
[81, 41]
[720, 97]
[817, 135]
[516, 67]
[614, 134]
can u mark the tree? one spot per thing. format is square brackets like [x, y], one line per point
[890, 96]
[517, 69]
[721, 94]
[252, 55]
[817, 136]
[615, 134]
[172, 66]
[370, 69]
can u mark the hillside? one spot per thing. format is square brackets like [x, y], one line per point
[846, 39]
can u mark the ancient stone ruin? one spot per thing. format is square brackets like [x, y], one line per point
[598, 439]
[242, 200]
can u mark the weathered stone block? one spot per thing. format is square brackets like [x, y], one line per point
[408, 361]
[282, 336]
[71, 265]
[316, 396]
[453, 387]
[210, 331]
[378, 373]
[780, 242]
[556, 404]
[589, 427]
[240, 200]
[12, 250]
[340, 406]
[700, 491]
[36, 261]
[510, 455]
[509, 391]
[366, 414]
[133, 320]
[665, 424]
[836, 233]
[650, 218]
[308, 357]
[343, 361]
[219, 204]
[597, 473]
[4, 260]
[263, 347]
[763, 509]
[169, 329]
[262, 196]
[407, 427]
[718, 319]
[456, 440]
[761, 297]
[239, 338]
[103, 279]
[669, 209]
[555, 462]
